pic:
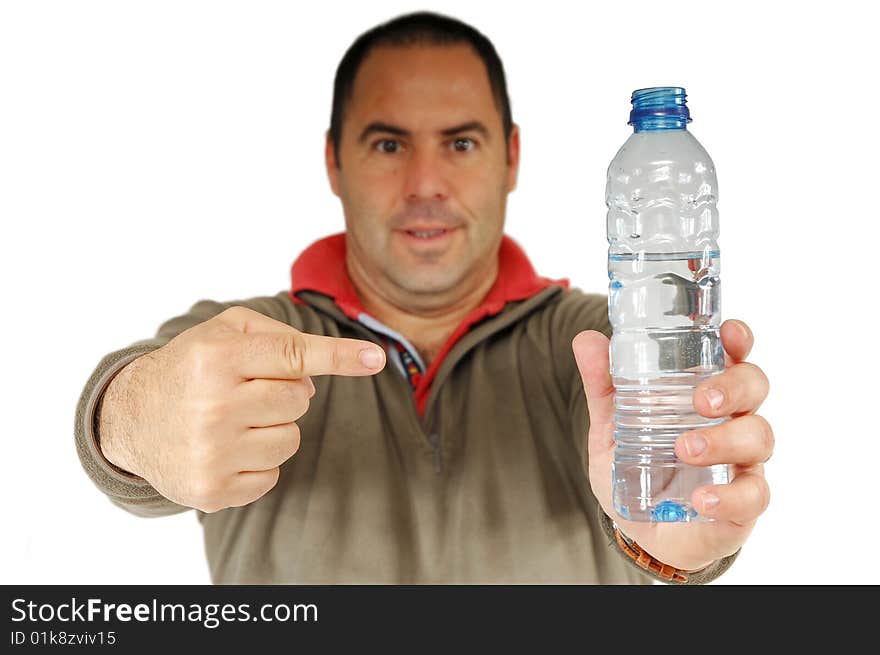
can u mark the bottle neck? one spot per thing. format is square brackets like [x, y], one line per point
[661, 124]
[659, 108]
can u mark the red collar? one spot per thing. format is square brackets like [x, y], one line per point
[321, 267]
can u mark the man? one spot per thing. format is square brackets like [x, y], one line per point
[466, 458]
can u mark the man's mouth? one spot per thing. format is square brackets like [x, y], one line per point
[428, 234]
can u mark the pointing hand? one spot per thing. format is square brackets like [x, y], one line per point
[209, 418]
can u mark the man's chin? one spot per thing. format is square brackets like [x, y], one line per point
[425, 283]
[422, 276]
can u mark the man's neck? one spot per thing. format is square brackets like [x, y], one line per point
[426, 326]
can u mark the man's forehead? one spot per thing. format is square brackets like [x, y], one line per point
[432, 85]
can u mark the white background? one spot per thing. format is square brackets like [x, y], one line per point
[156, 153]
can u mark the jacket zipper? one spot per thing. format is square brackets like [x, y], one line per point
[432, 436]
[435, 444]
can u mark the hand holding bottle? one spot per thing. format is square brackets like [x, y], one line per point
[745, 442]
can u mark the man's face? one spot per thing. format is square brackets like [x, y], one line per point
[424, 171]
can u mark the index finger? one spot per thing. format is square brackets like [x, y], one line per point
[293, 355]
[271, 349]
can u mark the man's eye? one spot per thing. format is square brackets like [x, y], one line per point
[464, 144]
[387, 145]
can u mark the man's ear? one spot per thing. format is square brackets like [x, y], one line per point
[331, 164]
[512, 158]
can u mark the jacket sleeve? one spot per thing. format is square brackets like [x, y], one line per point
[577, 312]
[128, 491]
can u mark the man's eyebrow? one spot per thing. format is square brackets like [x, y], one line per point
[472, 126]
[385, 128]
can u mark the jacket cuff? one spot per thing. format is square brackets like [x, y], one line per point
[702, 576]
[112, 480]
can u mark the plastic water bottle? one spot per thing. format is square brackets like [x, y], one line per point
[664, 305]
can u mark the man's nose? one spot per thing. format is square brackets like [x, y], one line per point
[425, 176]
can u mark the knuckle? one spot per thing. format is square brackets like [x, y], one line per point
[295, 392]
[336, 359]
[204, 354]
[759, 375]
[210, 507]
[202, 458]
[235, 314]
[295, 439]
[763, 492]
[293, 351]
[208, 413]
[287, 444]
[765, 433]
[300, 405]
[199, 459]
[268, 481]
[765, 381]
[206, 494]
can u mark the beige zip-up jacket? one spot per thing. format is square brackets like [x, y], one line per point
[476, 477]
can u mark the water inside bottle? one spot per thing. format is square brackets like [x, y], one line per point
[666, 341]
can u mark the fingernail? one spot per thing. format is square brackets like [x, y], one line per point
[371, 357]
[710, 501]
[715, 398]
[695, 444]
[311, 386]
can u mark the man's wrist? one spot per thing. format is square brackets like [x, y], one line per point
[699, 577]
[650, 563]
[111, 423]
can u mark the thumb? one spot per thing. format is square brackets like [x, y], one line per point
[591, 354]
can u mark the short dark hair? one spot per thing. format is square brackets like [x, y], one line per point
[420, 28]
